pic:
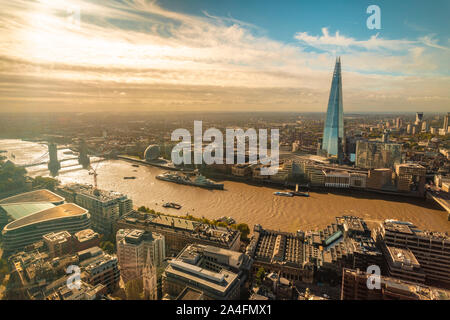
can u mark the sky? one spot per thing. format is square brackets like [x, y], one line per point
[205, 55]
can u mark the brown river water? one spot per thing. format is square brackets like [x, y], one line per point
[245, 203]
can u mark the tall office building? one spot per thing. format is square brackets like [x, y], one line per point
[446, 122]
[425, 126]
[134, 248]
[419, 118]
[333, 131]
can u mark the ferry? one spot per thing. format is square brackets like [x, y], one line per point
[199, 181]
[172, 205]
[135, 165]
[129, 178]
[228, 220]
[283, 194]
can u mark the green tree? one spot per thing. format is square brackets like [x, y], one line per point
[45, 183]
[108, 247]
[244, 229]
[260, 274]
[143, 209]
[11, 177]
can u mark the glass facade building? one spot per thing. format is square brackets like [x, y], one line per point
[333, 131]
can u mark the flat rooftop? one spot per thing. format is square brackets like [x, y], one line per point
[61, 211]
[412, 230]
[20, 210]
[402, 256]
[86, 235]
[217, 281]
[190, 294]
[97, 194]
[41, 195]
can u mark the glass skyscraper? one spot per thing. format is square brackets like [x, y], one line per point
[333, 131]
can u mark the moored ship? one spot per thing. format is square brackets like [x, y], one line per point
[283, 194]
[199, 181]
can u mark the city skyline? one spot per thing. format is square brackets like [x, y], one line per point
[167, 55]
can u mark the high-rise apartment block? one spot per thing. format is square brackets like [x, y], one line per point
[105, 207]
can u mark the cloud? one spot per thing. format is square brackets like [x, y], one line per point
[338, 41]
[158, 57]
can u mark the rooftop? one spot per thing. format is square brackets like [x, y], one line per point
[90, 191]
[57, 236]
[56, 212]
[139, 220]
[86, 235]
[402, 227]
[190, 294]
[20, 210]
[42, 195]
[402, 256]
[217, 281]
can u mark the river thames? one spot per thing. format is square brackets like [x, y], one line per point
[245, 203]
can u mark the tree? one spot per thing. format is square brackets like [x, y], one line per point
[260, 274]
[108, 247]
[143, 209]
[45, 183]
[11, 177]
[245, 231]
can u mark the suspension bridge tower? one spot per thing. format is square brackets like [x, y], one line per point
[53, 164]
[83, 157]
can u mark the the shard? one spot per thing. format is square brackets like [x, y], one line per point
[333, 131]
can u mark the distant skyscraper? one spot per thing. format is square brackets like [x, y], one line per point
[419, 117]
[446, 122]
[333, 131]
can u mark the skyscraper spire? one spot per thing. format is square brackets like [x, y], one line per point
[333, 131]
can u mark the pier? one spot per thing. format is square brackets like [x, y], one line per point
[441, 198]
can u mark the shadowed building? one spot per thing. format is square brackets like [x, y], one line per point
[354, 287]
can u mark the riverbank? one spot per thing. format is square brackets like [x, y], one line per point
[246, 203]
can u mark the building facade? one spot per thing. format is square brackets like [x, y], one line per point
[135, 247]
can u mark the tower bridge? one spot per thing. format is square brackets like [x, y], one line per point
[54, 164]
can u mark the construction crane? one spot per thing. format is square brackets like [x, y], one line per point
[93, 171]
